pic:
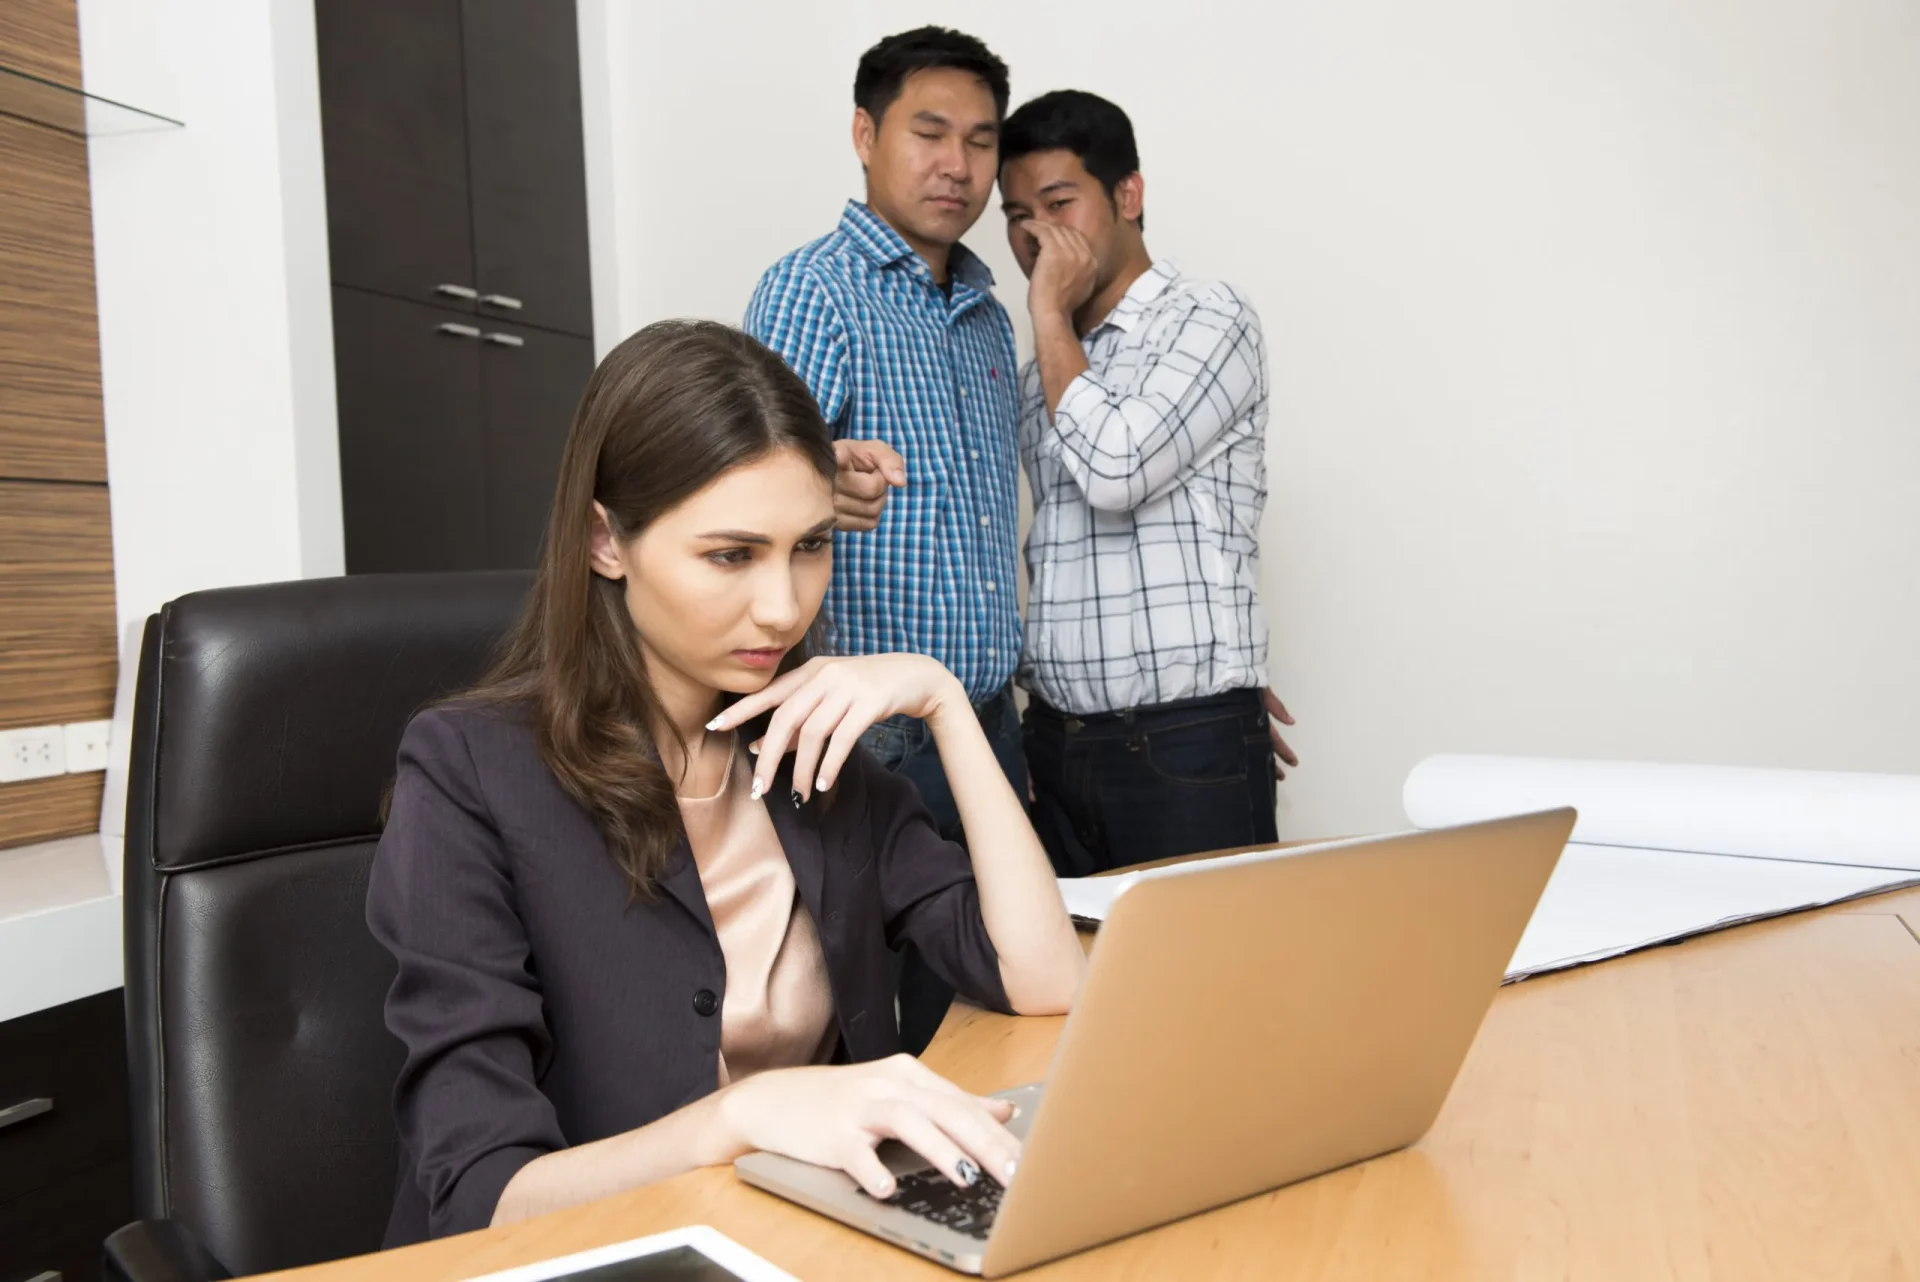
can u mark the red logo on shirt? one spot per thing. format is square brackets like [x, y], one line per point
[994, 374]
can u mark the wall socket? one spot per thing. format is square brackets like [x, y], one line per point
[40, 752]
[35, 752]
[88, 746]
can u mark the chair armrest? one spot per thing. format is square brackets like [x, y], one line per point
[159, 1251]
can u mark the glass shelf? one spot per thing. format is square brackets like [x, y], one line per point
[73, 111]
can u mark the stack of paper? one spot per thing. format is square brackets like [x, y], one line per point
[1608, 900]
[1661, 852]
[1089, 898]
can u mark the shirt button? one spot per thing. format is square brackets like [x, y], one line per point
[986, 520]
[705, 1003]
[963, 393]
[973, 453]
[990, 585]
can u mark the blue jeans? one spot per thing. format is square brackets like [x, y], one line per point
[1152, 782]
[905, 746]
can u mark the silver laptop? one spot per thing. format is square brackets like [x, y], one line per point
[1243, 1025]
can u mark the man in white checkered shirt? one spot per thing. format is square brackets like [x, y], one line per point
[1143, 431]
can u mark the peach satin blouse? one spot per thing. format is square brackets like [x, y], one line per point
[778, 1008]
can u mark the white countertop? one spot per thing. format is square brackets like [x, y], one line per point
[59, 923]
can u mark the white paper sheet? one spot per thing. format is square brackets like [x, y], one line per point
[1808, 815]
[1605, 900]
[1662, 852]
[1090, 898]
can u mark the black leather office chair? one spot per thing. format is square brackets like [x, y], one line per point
[265, 725]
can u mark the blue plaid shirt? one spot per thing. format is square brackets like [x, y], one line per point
[891, 357]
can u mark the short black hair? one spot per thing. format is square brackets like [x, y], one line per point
[885, 67]
[1086, 124]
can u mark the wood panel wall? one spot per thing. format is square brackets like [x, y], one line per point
[57, 643]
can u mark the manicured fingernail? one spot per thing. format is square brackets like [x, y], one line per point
[714, 724]
[1011, 1167]
[821, 784]
[886, 1188]
[796, 799]
[754, 747]
[759, 791]
[969, 1173]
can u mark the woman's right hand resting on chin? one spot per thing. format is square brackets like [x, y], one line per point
[834, 1116]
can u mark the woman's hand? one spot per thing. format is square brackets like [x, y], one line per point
[837, 1116]
[825, 705]
[828, 1116]
[821, 710]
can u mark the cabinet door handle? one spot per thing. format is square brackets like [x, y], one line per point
[20, 1112]
[505, 340]
[457, 291]
[500, 300]
[458, 330]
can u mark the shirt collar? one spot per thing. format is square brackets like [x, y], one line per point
[873, 237]
[1133, 304]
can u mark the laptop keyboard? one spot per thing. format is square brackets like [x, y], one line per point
[933, 1196]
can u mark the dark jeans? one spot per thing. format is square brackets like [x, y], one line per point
[1152, 782]
[905, 746]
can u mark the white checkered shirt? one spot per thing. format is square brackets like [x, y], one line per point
[1148, 482]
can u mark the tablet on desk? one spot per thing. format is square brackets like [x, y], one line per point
[695, 1254]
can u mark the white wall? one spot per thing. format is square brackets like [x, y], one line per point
[215, 324]
[1596, 422]
[600, 118]
[216, 339]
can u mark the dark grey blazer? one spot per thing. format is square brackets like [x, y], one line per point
[542, 1005]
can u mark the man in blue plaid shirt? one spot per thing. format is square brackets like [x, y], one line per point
[890, 321]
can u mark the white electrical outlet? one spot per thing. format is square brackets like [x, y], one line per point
[35, 752]
[88, 746]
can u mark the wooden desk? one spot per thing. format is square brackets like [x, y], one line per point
[1744, 1106]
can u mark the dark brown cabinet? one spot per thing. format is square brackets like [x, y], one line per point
[394, 136]
[451, 429]
[528, 390]
[65, 1138]
[412, 490]
[529, 176]
[462, 302]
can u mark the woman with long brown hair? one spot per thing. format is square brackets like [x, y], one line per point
[642, 884]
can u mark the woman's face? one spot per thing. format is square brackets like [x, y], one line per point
[722, 586]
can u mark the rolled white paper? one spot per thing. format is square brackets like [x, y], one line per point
[1818, 816]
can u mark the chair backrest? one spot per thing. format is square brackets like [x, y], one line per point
[266, 721]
